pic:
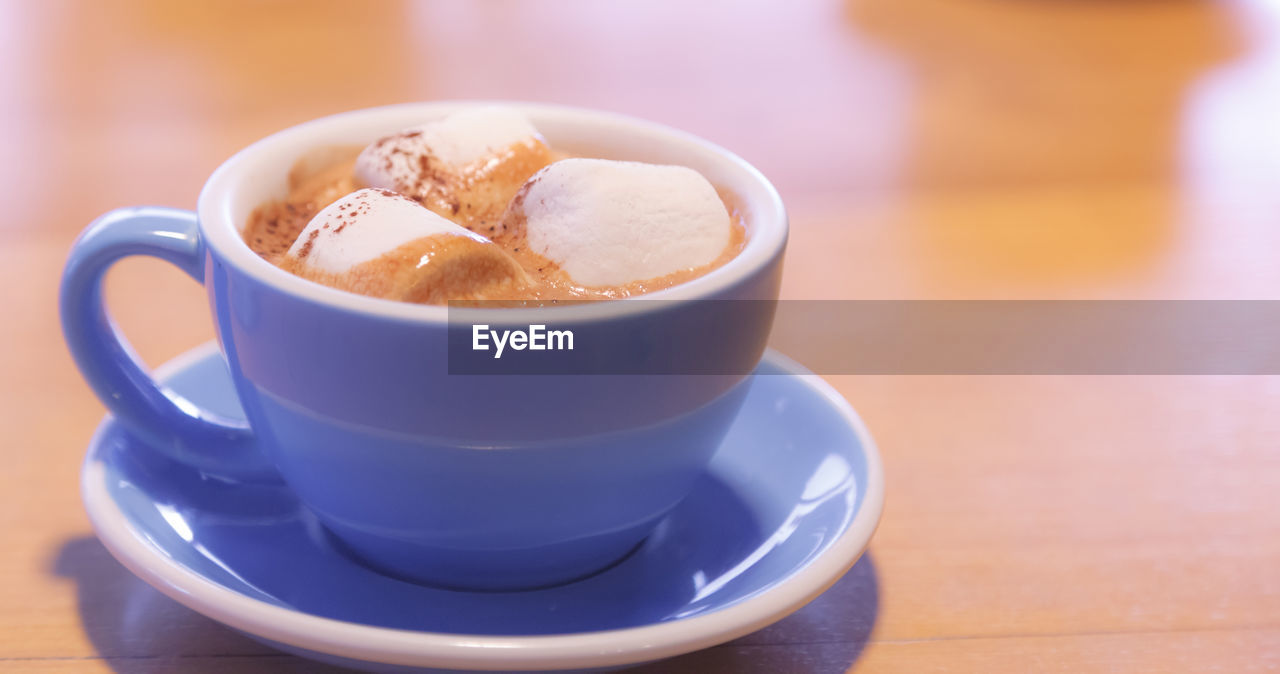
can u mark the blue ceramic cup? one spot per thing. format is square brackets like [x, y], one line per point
[469, 481]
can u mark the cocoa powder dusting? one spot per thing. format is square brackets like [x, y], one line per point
[305, 250]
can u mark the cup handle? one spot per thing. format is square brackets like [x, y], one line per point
[158, 416]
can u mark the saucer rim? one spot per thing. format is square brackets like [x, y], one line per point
[413, 648]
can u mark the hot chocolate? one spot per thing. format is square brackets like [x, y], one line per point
[478, 207]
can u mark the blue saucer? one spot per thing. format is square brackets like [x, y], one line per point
[788, 505]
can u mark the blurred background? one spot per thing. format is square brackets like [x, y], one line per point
[926, 149]
[1049, 148]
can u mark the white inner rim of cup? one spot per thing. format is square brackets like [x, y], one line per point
[259, 173]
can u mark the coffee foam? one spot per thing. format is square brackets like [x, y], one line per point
[364, 225]
[610, 222]
[459, 141]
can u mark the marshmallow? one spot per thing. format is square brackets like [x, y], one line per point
[376, 242]
[614, 222]
[403, 160]
[365, 225]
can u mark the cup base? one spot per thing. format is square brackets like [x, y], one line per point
[518, 570]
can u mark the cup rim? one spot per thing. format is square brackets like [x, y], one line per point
[220, 232]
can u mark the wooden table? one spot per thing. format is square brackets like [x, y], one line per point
[926, 149]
